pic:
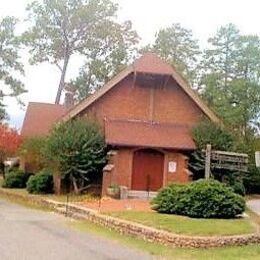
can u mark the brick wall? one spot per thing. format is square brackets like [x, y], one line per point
[181, 174]
[129, 100]
[121, 174]
[132, 101]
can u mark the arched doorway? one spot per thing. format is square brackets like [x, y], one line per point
[148, 165]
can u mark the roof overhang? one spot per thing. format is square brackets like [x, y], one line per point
[136, 133]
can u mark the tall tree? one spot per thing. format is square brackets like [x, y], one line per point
[61, 28]
[177, 45]
[106, 58]
[10, 66]
[230, 79]
[219, 57]
[247, 58]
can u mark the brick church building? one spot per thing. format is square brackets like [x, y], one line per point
[146, 112]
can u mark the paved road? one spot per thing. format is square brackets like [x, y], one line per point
[27, 234]
[254, 205]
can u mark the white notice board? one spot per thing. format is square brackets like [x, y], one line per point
[172, 166]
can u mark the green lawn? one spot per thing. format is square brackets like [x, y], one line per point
[188, 226]
[60, 198]
[249, 252]
[71, 199]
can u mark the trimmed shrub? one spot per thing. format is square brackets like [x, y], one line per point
[239, 188]
[16, 179]
[251, 181]
[40, 183]
[170, 199]
[77, 149]
[200, 199]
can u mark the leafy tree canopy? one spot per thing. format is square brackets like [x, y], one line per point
[178, 46]
[33, 151]
[10, 141]
[10, 65]
[230, 79]
[218, 57]
[78, 148]
[207, 132]
[61, 28]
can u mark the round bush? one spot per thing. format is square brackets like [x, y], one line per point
[170, 199]
[251, 181]
[40, 183]
[200, 199]
[239, 188]
[16, 179]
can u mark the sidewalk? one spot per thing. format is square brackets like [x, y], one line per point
[254, 205]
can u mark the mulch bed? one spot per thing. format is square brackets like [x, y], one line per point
[110, 205]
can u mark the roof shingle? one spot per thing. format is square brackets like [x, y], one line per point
[148, 134]
[151, 63]
[40, 118]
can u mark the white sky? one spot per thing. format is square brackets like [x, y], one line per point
[148, 16]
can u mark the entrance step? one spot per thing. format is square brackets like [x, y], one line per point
[139, 194]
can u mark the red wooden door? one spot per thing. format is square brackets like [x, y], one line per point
[147, 172]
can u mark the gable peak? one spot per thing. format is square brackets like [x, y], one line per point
[151, 63]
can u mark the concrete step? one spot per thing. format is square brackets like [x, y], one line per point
[136, 194]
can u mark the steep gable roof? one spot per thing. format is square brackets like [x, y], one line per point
[40, 118]
[148, 63]
[151, 63]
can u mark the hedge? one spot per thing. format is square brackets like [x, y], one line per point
[200, 199]
[40, 183]
[16, 179]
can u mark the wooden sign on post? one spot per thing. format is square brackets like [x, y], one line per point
[224, 160]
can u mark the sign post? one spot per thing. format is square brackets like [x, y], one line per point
[207, 161]
[257, 159]
[226, 160]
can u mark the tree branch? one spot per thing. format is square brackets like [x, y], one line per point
[58, 65]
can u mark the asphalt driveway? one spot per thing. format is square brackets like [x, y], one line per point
[31, 234]
[254, 205]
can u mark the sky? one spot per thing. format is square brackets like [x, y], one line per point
[203, 17]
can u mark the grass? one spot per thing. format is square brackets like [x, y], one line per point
[172, 223]
[71, 198]
[60, 198]
[249, 252]
[186, 225]
[17, 191]
[25, 202]
[253, 216]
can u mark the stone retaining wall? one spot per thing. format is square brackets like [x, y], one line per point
[160, 236]
[138, 230]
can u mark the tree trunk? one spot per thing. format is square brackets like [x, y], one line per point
[62, 79]
[75, 186]
[2, 169]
